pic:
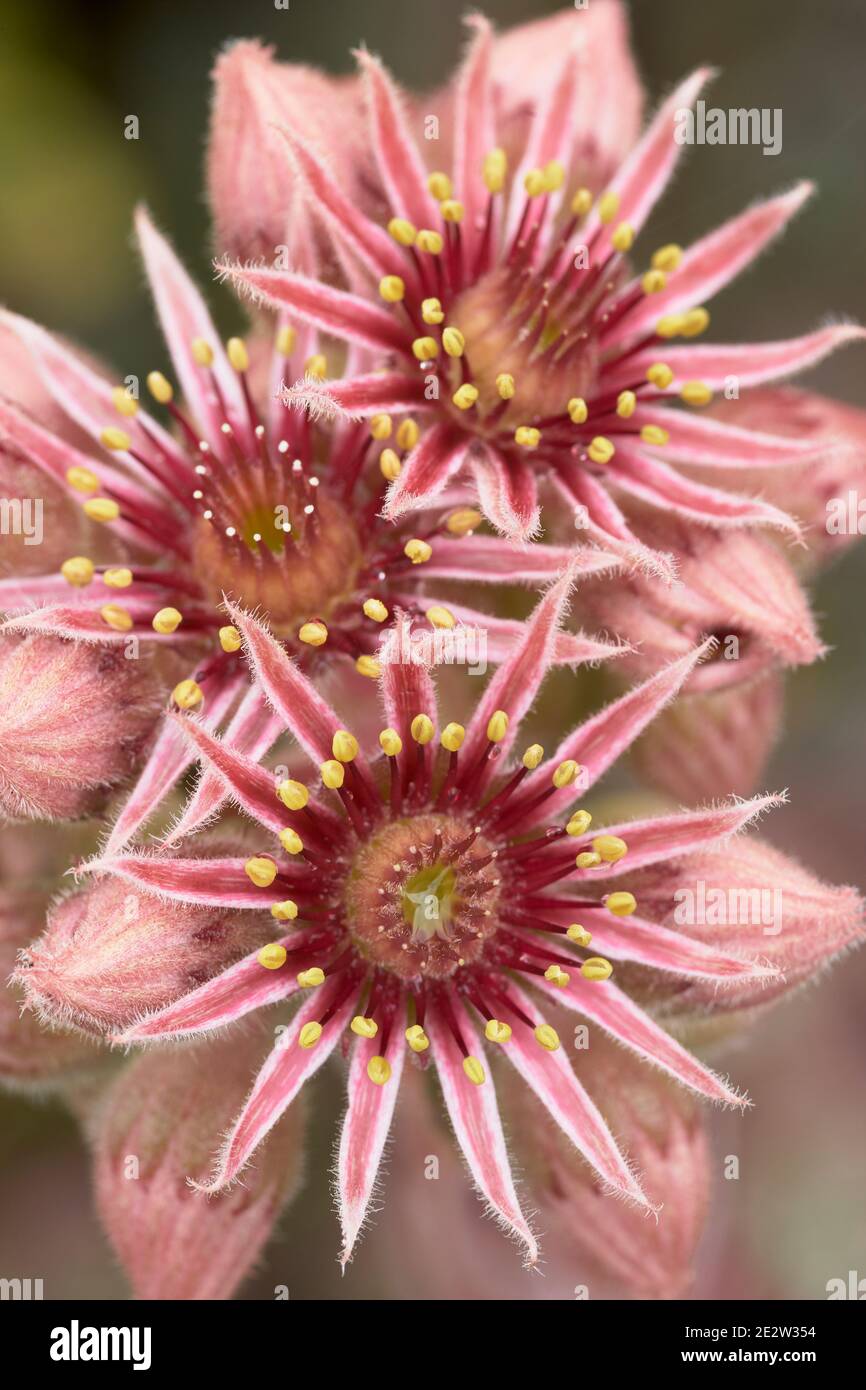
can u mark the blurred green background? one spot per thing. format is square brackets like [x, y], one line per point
[69, 75]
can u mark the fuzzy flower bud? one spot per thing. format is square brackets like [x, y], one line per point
[74, 720]
[152, 1131]
[112, 952]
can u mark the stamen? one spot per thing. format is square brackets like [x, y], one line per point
[620, 904]
[230, 638]
[167, 620]
[310, 979]
[314, 633]
[261, 870]
[187, 694]
[596, 968]
[78, 571]
[285, 911]
[272, 956]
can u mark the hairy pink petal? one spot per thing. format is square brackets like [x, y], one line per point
[216, 882]
[492, 558]
[439, 454]
[365, 1132]
[287, 1068]
[474, 129]
[654, 482]
[397, 158]
[359, 396]
[598, 517]
[407, 690]
[700, 439]
[508, 494]
[336, 311]
[478, 1128]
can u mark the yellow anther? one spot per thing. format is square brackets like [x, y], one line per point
[124, 403]
[407, 435]
[344, 746]
[101, 509]
[294, 795]
[554, 176]
[379, 1070]
[465, 396]
[441, 617]
[497, 1032]
[286, 339]
[272, 956]
[653, 281]
[557, 976]
[392, 289]
[494, 169]
[451, 210]
[588, 859]
[364, 1027]
[654, 434]
[533, 756]
[425, 349]
[505, 386]
[417, 1038]
[578, 934]
[421, 728]
[579, 823]
[316, 366]
[114, 438]
[577, 410]
[310, 979]
[389, 465]
[667, 258]
[695, 322]
[402, 231]
[314, 633]
[230, 638]
[596, 968]
[309, 1035]
[452, 737]
[440, 186]
[610, 847]
[660, 375]
[431, 242]
[670, 325]
[118, 578]
[77, 571]
[368, 666]
[620, 904]
[474, 1070]
[333, 774]
[608, 206]
[187, 694]
[622, 237]
[390, 742]
[626, 404]
[374, 608]
[547, 1037]
[453, 342]
[160, 387]
[696, 393]
[565, 773]
[380, 426]
[497, 726]
[202, 352]
[432, 311]
[167, 620]
[291, 841]
[116, 617]
[236, 349]
[581, 202]
[81, 479]
[533, 182]
[527, 437]
[418, 552]
[286, 911]
[600, 450]
[260, 871]
[464, 520]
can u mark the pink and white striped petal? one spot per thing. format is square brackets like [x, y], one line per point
[365, 1132]
[710, 443]
[597, 743]
[598, 517]
[477, 1124]
[605, 1003]
[359, 396]
[551, 1077]
[397, 158]
[474, 130]
[229, 996]
[335, 311]
[286, 1070]
[507, 494]
[213, 882]
[643, 476]
[660, 948]
[491, 559]
[437, 457]
[501, 635]
[407, 690]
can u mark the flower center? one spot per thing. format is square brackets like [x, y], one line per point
[420, 897]
[292, 569]
[510, 332]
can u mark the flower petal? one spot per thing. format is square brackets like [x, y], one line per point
[700, 439]
[507, 494]
[336, 311]
[653, 481]
[439, 454]
[214, 882]
[365, 1132]
[478, 1128]
[397, 158]
[491, 559]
